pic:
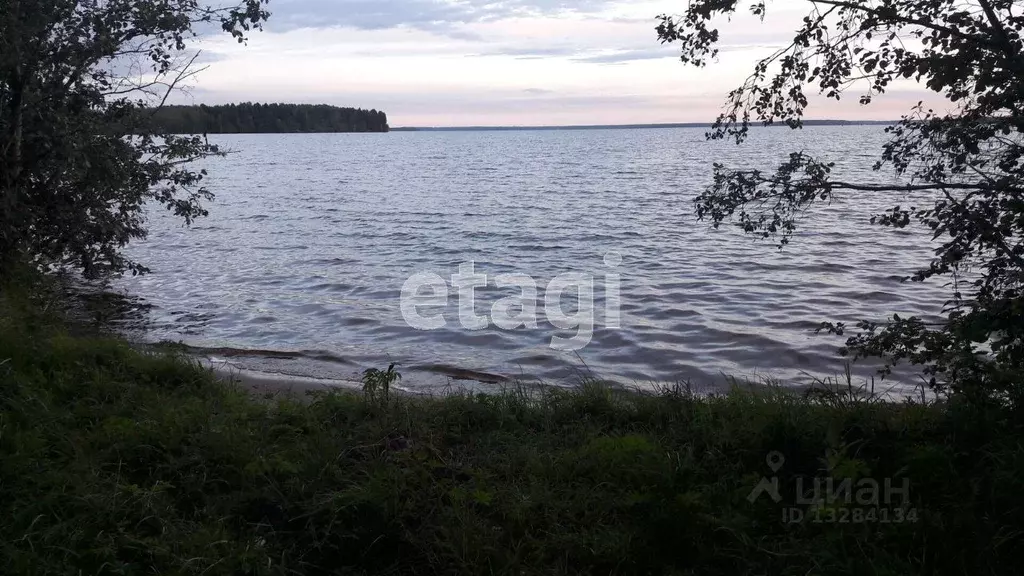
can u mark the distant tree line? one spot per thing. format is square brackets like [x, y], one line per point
[249, 117]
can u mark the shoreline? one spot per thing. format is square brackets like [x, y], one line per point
[273, 371]
[99, 437]
[273, 385]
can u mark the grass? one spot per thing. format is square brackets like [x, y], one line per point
[114, 461]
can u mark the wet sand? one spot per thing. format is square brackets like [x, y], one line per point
[272, 385]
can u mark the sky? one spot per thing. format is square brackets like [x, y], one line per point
[500, 62]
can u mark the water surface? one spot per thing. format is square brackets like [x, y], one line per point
[311, 237]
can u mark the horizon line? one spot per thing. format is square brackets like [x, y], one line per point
[822, 122]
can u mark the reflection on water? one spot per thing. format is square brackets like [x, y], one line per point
[97, 306]
[312, 236]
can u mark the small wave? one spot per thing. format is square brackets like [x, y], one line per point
[186, 317]
[456, 373]
[333, 261]
[332, 287]
[227, 352]
[296, 247]
[536, 247]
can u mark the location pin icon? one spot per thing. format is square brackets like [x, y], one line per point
[775, 460]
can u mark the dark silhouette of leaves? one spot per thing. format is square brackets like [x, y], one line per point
[970, 159]
[80, 154]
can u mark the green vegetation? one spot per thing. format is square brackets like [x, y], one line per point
[81, 157]
[248, 118]
[114, 461]
[377, 383]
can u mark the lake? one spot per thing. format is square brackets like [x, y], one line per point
[303, 258]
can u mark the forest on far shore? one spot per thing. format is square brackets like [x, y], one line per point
[249, 117]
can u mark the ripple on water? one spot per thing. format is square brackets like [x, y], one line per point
[305, 260]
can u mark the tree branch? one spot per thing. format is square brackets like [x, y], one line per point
[895, 17]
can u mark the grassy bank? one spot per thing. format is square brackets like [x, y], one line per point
[117, 462]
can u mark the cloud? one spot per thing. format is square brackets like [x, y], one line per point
[472, 62]
[629, 56]
[438, 16]
[530, 52]
[208, 57]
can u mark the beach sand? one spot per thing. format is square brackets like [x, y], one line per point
[273, 385]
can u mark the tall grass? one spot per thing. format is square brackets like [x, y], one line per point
[114, 461]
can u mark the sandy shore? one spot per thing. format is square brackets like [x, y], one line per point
[269, 385]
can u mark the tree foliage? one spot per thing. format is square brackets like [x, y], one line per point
[263, 118]
[81, 155]
[969, 159]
